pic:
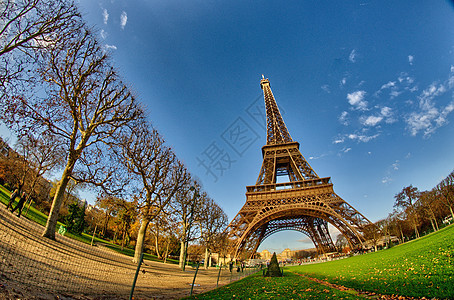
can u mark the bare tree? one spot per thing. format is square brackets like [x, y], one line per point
[446, 191]
[406, 200]
[17, 166]
[341, 242]
[384, 226]
[110, 205]
[84, 105]
[156, 171]
[162, 229]
[429, 207]
[398, 224]
[187, 206]
[127, 214]
[372, 234]
[27, 25]
[44, 155]
[213, 220]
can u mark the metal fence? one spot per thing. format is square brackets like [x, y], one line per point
[33, 266]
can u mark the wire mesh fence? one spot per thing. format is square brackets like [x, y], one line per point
[33, 266]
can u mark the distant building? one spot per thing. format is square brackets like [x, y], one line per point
[284, 255]
[265, 254]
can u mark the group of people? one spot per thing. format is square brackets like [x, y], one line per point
[19, 204]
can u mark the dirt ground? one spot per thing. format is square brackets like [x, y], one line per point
[33, 267]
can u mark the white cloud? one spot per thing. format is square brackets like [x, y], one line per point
[103, 34]
[356, 99]
[343, 118]
[325, 87]
[404, 78]
[343, 81]
[352, 56]
[414, 89]
[386, 111]
[123, 19]
[388, 114]
[388, 85]
[394, 94]
[432, 91]
[338, 141]
[386, 180]
[105, 16]
[451, 79]
[390, 171]
[395, 165]
[317, 157]
[110, 47]
[371, 120]
[428, 119]
[305, 240]
[362, 138]
[410, 59]
[421, 121]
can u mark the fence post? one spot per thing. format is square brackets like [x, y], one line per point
[193, 281]
[135, 277]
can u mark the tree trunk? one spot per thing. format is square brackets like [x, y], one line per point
[51, 224]
[401, 234]
[167, 250]
[156, 242]
[140, 240]
[433, 225]
[416, 231]
[205, 263]
[182, 255]
[106, 223]
[29, 197]
[123, 238]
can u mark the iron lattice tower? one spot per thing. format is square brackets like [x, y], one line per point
[306, 203]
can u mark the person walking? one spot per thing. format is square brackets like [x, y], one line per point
[20, 204]
[12, 198]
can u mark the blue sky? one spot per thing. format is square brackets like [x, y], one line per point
[366, 88]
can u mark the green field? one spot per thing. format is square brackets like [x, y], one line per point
[291, 286]
[419, 268]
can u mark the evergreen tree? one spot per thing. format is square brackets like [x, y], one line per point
[273, 269]
[70, 219]
[79, 224]
[75, 221]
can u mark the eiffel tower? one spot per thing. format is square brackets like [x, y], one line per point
[307, 203]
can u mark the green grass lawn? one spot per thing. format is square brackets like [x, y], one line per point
[419, 268]
[291, 286]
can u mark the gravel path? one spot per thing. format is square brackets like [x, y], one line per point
[33, 267]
